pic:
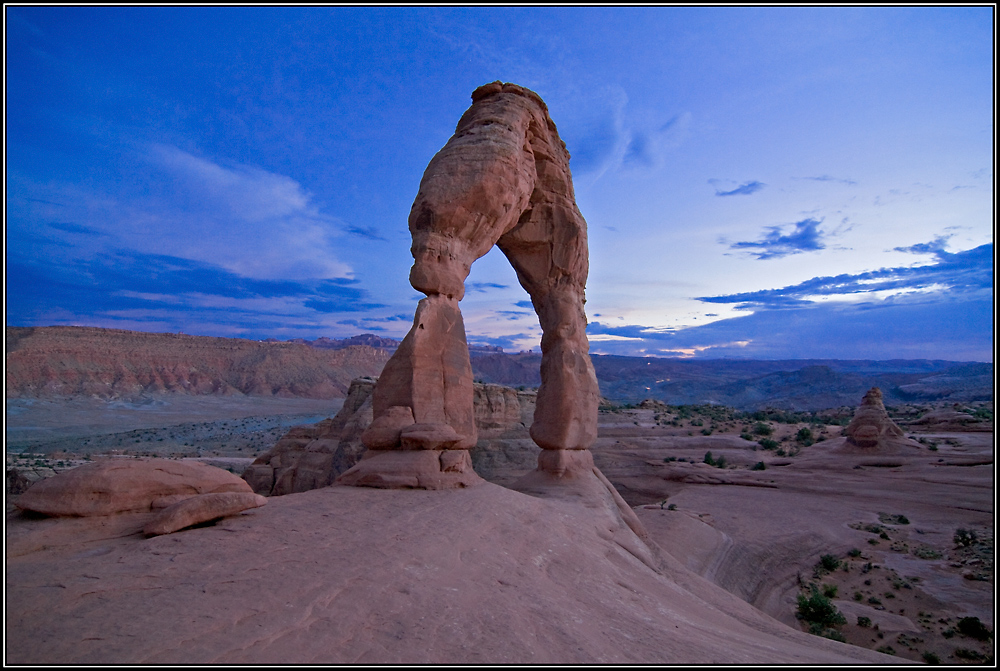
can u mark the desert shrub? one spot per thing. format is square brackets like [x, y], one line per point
[973, 628]
[931, 658]
[974, 655]
[854, 552]
[759, 466]
[667, 460]
[858, 596]
[829, 562]
[762, 429]
[706, 432]
[672, 506]
[948, 633]
[805, 436]
[875, 601]
[718, 463]
[746, 436]
[767, 443]
[886, 518]
[864, 621]
[830, 591]
[965, 537]
[926, 553]
[817, 609]
[886, 649]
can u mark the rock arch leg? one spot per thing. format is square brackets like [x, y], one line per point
[502, 179]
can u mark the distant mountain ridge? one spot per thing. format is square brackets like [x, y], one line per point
[108, 363]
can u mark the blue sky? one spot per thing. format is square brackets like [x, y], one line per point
[758, 182]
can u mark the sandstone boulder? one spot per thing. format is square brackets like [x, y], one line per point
[125, 485]
[199, 509]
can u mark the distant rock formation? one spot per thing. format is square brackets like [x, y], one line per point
[503, 179]
[956, 419]
[872, 430]
[312, 456]
[65, 361]
[114, 486]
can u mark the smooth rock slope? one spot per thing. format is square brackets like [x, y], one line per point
[358, 575]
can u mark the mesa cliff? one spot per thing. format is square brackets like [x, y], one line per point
[66, 361]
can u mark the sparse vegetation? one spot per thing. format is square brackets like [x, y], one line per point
[718, 463]
[965, 537]
[973, 628]
[816, 609]
[829, 562]
[864, 621]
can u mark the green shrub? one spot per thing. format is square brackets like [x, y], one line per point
[746, 436]
[817, 609]
[931, 658]
[858, 596]
[767, 443]
[829, 562]
[887, 649]
[974, 655]
[854, 552]
[762, 429]
[805, 436]
[759, 466]
[864, 621]
[830, 591]
[973, 628]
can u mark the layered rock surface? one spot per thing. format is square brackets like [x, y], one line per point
[312, 456]
[110, 363]
[355, 575]
[872, 430]
[113, 486]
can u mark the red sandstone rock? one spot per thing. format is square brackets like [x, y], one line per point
[125, 485]
[502, 179]
[872, 431]
[412, 469]
[201, 508]
[311, 456]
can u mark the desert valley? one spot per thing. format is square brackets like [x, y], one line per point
[759, 523]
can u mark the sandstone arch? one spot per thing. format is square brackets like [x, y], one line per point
[502, 179]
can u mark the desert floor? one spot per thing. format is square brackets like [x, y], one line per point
[875, 533]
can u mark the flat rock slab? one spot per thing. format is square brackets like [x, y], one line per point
[348, 575]
[200, 509]
[125, 485]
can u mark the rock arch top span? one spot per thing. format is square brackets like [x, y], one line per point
[502, 179]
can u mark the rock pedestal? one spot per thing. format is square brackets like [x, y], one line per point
[502, 179]
[871, 424]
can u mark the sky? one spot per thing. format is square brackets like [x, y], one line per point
[758, 182]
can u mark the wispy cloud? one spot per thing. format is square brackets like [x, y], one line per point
[70, 227]
[828, 178]
[935, 247]
[744, 189]
[170, 291]
[482, 287]
[967, 271]
[804, 237]
[368, 232]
